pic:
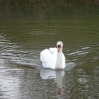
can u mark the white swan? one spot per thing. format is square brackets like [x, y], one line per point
[53, 57]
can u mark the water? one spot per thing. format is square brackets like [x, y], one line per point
[21, 73]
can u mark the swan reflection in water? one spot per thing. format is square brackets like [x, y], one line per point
[59, 81]
[54, 74]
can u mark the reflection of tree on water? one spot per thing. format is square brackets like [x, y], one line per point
[53, 74]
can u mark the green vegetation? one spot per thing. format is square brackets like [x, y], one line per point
[48, 5]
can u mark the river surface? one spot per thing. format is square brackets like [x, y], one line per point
[22, 38]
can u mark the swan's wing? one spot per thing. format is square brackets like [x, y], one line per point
[45, 55]
[47, 59]
[53, 50]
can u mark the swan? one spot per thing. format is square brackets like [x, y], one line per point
[53, 58]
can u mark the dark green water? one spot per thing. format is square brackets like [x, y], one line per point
[23, 37]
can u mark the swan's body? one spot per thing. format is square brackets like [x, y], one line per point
[53, 57]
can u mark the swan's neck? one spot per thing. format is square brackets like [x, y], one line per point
[59, 60]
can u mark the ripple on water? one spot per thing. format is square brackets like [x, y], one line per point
[17, 55]
[20, 82]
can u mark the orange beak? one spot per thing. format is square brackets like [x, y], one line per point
[58, 48]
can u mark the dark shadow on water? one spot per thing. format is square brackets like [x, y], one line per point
[25, 66]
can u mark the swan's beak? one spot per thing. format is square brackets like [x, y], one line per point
[58, 48]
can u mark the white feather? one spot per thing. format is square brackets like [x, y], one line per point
[50, 58]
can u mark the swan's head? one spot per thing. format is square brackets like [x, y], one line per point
[59, 46]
